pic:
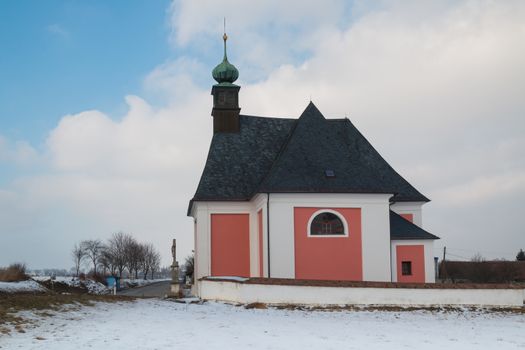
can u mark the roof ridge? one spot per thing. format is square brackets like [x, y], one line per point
[311, 111]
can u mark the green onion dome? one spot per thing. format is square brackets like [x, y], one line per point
[225, 72]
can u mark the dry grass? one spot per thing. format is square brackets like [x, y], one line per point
[259, 306]
[43, 305]
[13, 273]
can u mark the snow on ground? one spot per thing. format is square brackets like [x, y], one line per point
[163, 324]
[228, 278]
[92, 287]
[22, 286]
[139, 282]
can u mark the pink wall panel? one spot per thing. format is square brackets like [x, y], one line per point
[328, 258]
[230, 245]
[416, 255]
[260, 234]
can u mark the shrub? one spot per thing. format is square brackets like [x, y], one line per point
[98, 277]
[495, 271]
[13, 273]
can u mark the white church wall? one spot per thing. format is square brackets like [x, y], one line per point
[202, 212]
[259, 202]
[375, 227]
[428, 247]
[281, 231]
[202, 249]
[414, 208]
[375, 223]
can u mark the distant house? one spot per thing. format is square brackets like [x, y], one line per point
[306, 198]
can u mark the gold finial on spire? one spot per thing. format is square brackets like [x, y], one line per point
[225, 37]
[225, 72]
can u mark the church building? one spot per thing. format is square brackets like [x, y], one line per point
[302, 198]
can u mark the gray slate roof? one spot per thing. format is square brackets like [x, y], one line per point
[401, 228]
[279, 155]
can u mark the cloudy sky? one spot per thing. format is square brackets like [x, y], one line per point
[105, 109]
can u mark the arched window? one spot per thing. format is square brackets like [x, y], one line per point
[327, 224]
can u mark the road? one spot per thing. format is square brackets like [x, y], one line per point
[157, 289]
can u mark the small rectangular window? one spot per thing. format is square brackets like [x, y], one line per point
[406, 268]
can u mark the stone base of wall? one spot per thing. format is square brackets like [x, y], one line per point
[326, 293]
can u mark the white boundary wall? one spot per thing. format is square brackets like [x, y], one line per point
[311, 295]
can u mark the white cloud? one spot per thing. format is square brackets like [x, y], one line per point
[190, 19]
[176, 81]
[135, 174]
[436, 87]
[483, 189]
[19, 152]
[263, 34]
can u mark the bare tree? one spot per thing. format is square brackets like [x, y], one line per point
[93, 249]
[155, 264]
[133, 257]
[477, 258]
[122, 252]
[106, 260]
[117, 250]
[189, 266]
[150, 261]
[78, 254]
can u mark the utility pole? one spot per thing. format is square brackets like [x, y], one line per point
[443, 266]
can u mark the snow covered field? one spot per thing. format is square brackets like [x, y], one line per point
[91, 286]
[163, 324]
[128, 283]
[22, 286]
[94, 287]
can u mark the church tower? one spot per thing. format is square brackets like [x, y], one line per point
[226, 109]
